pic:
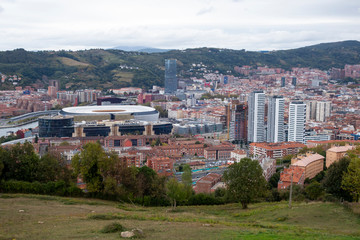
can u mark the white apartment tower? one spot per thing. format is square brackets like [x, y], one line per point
[323, 110]
[275, 120]
[297, 118]
[256, 113]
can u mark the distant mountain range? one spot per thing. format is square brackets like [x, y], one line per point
[112, 68]
[141, 49]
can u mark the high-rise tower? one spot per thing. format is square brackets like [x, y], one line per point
[283, 81]
[238, 123]
[171, 83]
[256, 104]
[297, 118]
[275, 120]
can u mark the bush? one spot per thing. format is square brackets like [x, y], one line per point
[50, 188]
[113, 227]
[314, 190]
[204, 199]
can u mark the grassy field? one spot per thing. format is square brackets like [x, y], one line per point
[47, 217]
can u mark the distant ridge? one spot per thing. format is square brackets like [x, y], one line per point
[144, 66]
[141, 49]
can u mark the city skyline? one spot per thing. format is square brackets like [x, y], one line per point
[235, 24]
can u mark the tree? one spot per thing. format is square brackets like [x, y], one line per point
[186, 179]
[333, 178]
[351, 179]
[20, 163]
[1, 162]
[162, 112]
[87, 165]
[274, 179]
[314, 190]
[186, 175]
[174, 191]
[145, 179]
[52, 168]
[245, 181]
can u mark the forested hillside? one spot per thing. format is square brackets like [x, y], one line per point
[104, 69]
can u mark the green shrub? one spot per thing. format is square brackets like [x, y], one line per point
[112, 228]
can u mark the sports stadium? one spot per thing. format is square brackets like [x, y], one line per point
[136, 112]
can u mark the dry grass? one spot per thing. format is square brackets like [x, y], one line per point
[72, 62]
[46, 217]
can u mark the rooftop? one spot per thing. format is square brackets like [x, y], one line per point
[278, 146]
[306, 160]
[340, 149]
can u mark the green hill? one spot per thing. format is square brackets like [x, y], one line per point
[47, 217]
[103, 69]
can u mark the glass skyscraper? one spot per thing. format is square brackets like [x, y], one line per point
[171, 83]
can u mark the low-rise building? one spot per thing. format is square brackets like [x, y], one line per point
[334, 154]
[162, 165]
[206, 183]
[220, 152]
[237, 155]
[312, 163]
[275, 150]
[292, 175]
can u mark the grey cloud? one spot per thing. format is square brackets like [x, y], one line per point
[1, 9]
[204, 11]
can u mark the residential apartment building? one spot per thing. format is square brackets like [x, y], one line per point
[275, 120]
[334, 154]
[312, 163]
[275, 150]
[206, 183]
[297, 118]
[237, 155]
[290, 176]
[219, 153]
[256, 129]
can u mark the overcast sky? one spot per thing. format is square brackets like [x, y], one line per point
[235, 24]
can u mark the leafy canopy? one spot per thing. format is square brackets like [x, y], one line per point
[245, 181]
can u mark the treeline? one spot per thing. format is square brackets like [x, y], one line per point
[108, 177]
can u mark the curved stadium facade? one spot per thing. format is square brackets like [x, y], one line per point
[140, 113]
[89, 121]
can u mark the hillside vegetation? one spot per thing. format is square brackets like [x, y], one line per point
[47, 217]
[103, 69]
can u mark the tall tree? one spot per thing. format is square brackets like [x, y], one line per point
[351, 178]
[186, 176]
[175, 191]
[145, 181]
[88, 163]
[333, 178]
[20, 163]
[245, 181]
[2, 154]
[186, 179]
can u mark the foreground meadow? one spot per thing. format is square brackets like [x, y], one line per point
[47, 217]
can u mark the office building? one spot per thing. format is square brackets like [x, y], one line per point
[171, 83]
[256, 129]
[275, 120]
[283, 81]
[297, 118]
